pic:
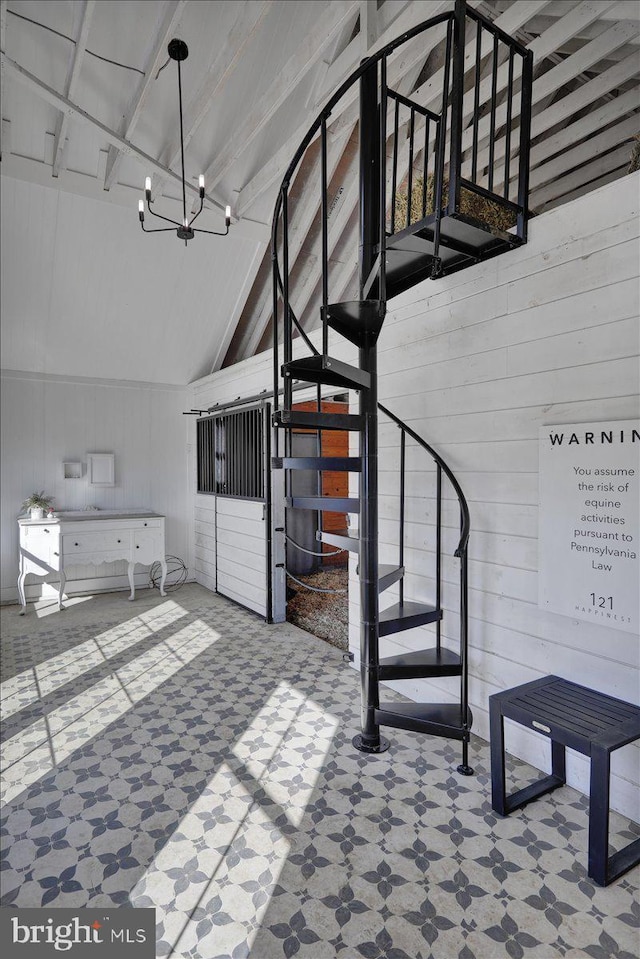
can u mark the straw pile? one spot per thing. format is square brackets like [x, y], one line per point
[471, 204]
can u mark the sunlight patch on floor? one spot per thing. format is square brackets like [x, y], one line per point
[42, 745]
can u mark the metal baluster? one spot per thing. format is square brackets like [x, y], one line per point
[476, 104]
[285, 295]
[410, 183]
[492, 125]
[525, 129]
[403, 443]
[382, 249]
[438, 547]
[507, 153]
[440, 140]
[425, 167]
[394, 172]
[324, 214]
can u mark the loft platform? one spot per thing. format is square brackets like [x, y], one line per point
[464, 241]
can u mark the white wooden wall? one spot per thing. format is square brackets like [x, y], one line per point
[47, 420]
[476, 363]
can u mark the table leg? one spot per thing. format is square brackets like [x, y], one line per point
[130, 569]
[61, 586]
[21, 596]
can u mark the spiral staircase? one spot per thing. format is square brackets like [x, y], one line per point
[412, 158]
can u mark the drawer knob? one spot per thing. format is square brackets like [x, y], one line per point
[137, 547]
[76, 544]
[145, 524]
[56, 554]
[47, 530]
[119, 540]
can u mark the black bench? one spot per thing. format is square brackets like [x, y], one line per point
[585, 720]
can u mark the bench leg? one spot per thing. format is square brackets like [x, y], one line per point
[501, 803]
[603, 868]
[496, 730]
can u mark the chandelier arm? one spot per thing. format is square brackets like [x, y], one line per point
[212, 232]
[197, 214]
[160, 216]
[160, 229]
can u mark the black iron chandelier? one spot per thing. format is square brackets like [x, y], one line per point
[179, 51]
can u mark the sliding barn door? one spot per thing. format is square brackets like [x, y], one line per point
[233, 468]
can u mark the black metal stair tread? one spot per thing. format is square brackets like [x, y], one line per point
[403, 616]
[330, 464]
[420, 664]
[388, 575]
[328, 370]
[350, 543]
[354, 319]
[463, 242]
[316, 420]
[440, 719]
[336, 504]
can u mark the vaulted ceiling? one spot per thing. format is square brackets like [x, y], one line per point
[90, 107]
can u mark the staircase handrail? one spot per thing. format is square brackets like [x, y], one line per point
[464, 508]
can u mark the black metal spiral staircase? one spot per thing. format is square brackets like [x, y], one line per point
[439, 238]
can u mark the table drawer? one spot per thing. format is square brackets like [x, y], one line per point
[117, 540]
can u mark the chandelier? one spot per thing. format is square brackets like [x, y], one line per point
[185, 230]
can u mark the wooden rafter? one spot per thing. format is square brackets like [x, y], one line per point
[71, 84]
[300, 230]
[577, 178]
[76, 112]
[286, 81]
[133, 111]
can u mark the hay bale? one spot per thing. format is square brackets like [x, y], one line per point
[471, 204]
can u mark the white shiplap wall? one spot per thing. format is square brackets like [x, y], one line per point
[47, 420]
[476, 363]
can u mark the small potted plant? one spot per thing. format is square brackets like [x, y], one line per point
[36, 504]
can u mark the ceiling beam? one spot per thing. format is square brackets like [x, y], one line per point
[595, 146]
[249, 17]
[73, 75]
[154, 62]
[588, 187]
[574, 133]
[286, 81]
[45, 92]
[584, 175]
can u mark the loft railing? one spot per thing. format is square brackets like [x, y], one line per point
[455, 145]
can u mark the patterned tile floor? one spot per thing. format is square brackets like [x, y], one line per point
[179, 753]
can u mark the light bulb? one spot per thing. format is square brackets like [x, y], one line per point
[147, 184]
[201, 181]
[227, 215]
[140, 206]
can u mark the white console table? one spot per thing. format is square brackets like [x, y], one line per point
[89, 538]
